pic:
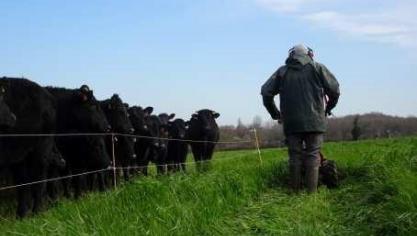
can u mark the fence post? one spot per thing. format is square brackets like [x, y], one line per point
[114, 161]
[257, 145]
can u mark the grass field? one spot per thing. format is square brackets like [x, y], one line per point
[238, 196]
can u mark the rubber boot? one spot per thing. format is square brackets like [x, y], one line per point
[312, 178]
[295, 177]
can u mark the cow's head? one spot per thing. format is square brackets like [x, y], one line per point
[117, 115]
[178, 129]
[89, 117]
[155, 127]
[165, 118]
[205, 119]
[137, 117]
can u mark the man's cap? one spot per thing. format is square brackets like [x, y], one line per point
[298, 49]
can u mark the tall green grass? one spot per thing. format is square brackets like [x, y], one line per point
[238, 196]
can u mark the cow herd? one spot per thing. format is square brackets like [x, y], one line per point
[49, 132]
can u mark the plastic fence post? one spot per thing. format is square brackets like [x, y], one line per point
[114, 161]
[257, 145]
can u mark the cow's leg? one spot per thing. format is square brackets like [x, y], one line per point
[23, 193]
[76, 183]
[66, 183]
[159, 167]
[182, 161]
[195, 149]
[144, 162]
[38, 173]
[160, 163]
[52, 187]
[175, 161]
[208, 154]
[126, 172]
[100, 181]
[90, 181]
[170, 163]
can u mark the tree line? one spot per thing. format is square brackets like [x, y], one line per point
[345, 128]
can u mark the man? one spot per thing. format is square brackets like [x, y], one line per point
[308, 92]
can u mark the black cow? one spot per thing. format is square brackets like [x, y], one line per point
[79, 112]
[203, 127]
[28, 158]
[56, 166]
[7, 117]
[158, 144]
[177, 149]
[138, 117]
[164, 119]
[118, 117]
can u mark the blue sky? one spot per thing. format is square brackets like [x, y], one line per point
[181, 56]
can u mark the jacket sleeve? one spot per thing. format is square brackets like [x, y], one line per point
[330, 86]
[269, 90]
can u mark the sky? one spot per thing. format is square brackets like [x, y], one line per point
[181, 56]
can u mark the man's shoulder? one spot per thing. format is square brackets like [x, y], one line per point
[318, 65]
[281, 71]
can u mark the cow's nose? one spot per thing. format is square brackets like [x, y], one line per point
[132, 130]
[182, 136]
[145, 127]
[108, 129]
[135, 140]
[134, 156]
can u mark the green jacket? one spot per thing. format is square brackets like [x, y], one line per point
[302, 85]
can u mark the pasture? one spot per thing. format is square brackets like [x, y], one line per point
[238, 196]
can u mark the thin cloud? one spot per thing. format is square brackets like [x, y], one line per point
[288, 6]
[391, 24]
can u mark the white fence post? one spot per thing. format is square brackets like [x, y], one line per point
[114, 161]
[257, 145]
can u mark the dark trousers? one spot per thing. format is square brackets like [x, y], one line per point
[303, 150]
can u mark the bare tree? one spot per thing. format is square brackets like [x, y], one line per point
[356, 130]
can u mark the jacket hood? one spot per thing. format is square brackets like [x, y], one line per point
[298, 61]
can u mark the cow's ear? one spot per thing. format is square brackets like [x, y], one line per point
[216, 115]
[148, 110]
[170, 117]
